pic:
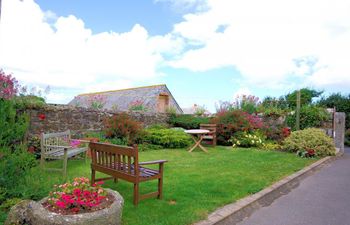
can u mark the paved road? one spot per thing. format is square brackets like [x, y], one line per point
[321, 199]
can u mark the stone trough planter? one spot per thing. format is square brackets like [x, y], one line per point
[33, 213]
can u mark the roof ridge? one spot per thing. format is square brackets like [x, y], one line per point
[125, 89]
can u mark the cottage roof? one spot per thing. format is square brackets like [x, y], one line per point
[122, 98]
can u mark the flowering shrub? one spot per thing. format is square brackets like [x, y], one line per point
[137, 105]
[77, 196]
[96, 101]
[122, 126]
[246, 139]
[232, 121]
[8, 86]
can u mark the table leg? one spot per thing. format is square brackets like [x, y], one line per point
[197, 144]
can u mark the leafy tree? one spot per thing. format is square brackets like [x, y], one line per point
[306, 96]
[340, 102]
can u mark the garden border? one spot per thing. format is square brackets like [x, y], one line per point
[235, 212]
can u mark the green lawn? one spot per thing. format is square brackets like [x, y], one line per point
[195, 184]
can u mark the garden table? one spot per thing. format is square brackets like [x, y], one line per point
[197, 136]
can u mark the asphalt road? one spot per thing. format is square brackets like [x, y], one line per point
[321, 199]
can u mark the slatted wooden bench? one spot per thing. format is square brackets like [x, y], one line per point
[123, 162]
[211, 136]
[57, 146]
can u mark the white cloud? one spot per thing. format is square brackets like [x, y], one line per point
[41, 48]
[263, 40]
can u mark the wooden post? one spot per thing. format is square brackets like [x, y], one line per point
[297, 112]
[333, 121]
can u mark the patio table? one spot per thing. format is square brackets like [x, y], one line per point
[197, 136]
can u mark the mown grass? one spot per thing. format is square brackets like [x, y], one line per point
[195, 184]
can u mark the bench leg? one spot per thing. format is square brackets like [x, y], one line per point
[42, 161]
[160, 188]
[136, 194]
[93, 174]
[65, 161]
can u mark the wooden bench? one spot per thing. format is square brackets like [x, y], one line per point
[123, 162]
[211, 136]
[58, 146]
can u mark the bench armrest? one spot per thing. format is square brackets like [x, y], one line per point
[153, 162]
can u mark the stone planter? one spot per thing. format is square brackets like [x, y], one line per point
[33, 213]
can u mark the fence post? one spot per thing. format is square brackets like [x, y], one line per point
[297, 113]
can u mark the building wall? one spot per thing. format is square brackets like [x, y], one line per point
[55, 118]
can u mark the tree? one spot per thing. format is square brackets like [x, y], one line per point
[306, 96]
[340, 102]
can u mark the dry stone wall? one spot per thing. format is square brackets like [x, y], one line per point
[55, 118]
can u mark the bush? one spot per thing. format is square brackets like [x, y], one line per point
[340, 102]
[167, 138]
[13, 125]
[277, 133]
[248, 139]
[310, 116]
[311, 138]
[271, 145]
[122, 126]
[229, 122]
[13, 168]
[188, 121]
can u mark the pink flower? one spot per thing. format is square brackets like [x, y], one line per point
[61, 204]
[77, 192]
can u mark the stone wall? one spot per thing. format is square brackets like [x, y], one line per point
[55, 118]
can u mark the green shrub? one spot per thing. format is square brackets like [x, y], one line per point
[29, 102]
[248, 139]
[167, 138]
[122, 126]
[188, 121]
[347, 137]
[310, 116]
[311, 138]
[13, 125]
[13, 168]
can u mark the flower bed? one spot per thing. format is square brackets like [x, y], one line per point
[78, 197]
[70, 204]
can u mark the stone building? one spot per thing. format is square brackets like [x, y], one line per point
[156, 98]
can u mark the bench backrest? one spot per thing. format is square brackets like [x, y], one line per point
[210, 127]
[115, 157]
[50, 140]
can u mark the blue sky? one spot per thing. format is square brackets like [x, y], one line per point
[204, 50]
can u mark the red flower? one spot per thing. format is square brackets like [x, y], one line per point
[41, 116]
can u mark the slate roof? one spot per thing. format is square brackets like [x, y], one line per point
[121, 99]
